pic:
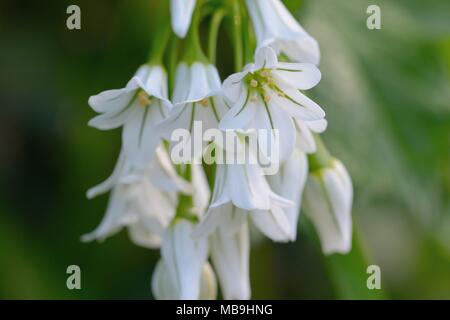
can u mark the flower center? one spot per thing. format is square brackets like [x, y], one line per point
[258, 82]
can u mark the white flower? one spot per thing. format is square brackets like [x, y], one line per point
[266, 95]
[145, 205]
[230, 254]
[183, 259]
[328, 202]
[138, 107]
[181, 11]
[275, 26]
[196, 98]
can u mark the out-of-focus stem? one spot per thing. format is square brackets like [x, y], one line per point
[213, 33]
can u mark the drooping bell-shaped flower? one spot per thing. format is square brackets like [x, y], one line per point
[197, 102]
[328, 199]
[276, 27]
[183, 260]
[138, 108]
[145, 205]
[267, 96]
[181, 12]
[241, 180]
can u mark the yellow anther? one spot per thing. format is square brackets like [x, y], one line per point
[281, 94]
[270, 81]
[203, 103]
[265, 73]
[144, 99]
[254, 98]
[253, 83]
[266, 98]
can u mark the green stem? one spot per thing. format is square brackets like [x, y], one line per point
[172, 62]
[321, 158]
[194, 51]
[237, 34]
[213, 33]
[248, 38]
[185, 202]
[161, 32]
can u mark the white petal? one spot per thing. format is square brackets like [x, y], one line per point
[114, 119]
[303, 49]
[265, 58]
[328, 198]
[302, 76]
[184, 258]
[163, 287]
[276, 148]
[272, 223]
[112, 101]
[241, 114]
[109, 183]
[195, 83]
[232, 86]
[162, 173]
[274, 25]
[230, 256]
[208, 285]
[141, 236]
[224, 215]
[289, 183]
[305, 138]
[298, 105]
[115, 218]
[317, 126]
[181, 12]
[201, 190]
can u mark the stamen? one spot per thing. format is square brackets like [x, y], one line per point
[265, 73]
[253, 83]
[203, 103]
[254, 98]
[266, 98]
[144, 99]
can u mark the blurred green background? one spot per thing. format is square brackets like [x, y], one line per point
[387, 97]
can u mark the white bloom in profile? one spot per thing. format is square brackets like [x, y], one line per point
[276, 27]
[328, 203]
[181, 12]
[145, 206]
[138, 108]
[183, 260]
[230, 254]
[196, 98]
[266, 95]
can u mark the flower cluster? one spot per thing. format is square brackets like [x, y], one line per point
[199, 214]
